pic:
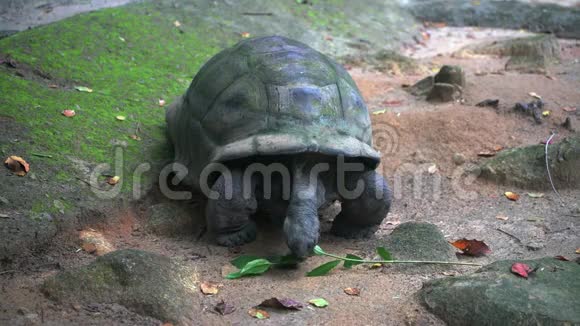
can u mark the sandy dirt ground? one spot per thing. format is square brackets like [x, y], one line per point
[413, 136]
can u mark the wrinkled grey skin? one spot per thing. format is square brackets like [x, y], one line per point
[276, 100]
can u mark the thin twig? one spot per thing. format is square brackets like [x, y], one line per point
[548, 168]
[88, 183]
[511, 235]
[400, 261]
[257, 13]
[41, 155]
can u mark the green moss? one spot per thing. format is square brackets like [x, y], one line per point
[130, 57]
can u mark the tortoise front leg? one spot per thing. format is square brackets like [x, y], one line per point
[360, 217]
[230, 219]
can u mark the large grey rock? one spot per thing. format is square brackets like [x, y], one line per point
[144, 282]
[495, 296]
[20, 232]
[169, 219]
[526, 166]
[527, 54]
[418, 241]
[554, 18]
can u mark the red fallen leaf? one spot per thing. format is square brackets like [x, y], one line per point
[562, 258]
[393, 103]
[224, 308]
[352, 291]
[521, 269]
[473, 247]
[68, 113]
[17, 165]
[283, 303]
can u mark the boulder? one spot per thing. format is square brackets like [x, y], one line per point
[526, 166]
[144, 282]
[417, 241]
[495, 296]
[527, 54]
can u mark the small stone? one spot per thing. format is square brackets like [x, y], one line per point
[458, 158]
[453, 75]
[568, 124]
[442, 92]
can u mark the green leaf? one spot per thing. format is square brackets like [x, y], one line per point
[241, 261]
[83, 89]
[318, 250]
[324, 268]
[385, 255]
[287, 260]
[318, 302]
[349, 264]
[255, 267]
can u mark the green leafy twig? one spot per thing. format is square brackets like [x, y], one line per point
[254, 265]
[351, 260]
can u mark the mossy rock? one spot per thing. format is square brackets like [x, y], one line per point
[526, 166]
[527, 54]
[495, 296]
[147, 283]
[417, 241]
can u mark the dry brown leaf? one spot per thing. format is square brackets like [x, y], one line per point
[352, 291]
[511, 195]
[432, 169]
[224, 308]
[209, 287]
[486, 154]
[90, 248]
[533, 94]
[497, 148]
[135, 137]
[17, 165]
[502, 217]
[473, 247]
[259, 313]
[569, 109]
[113, 180]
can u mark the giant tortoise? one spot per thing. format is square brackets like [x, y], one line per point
[272, 128]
